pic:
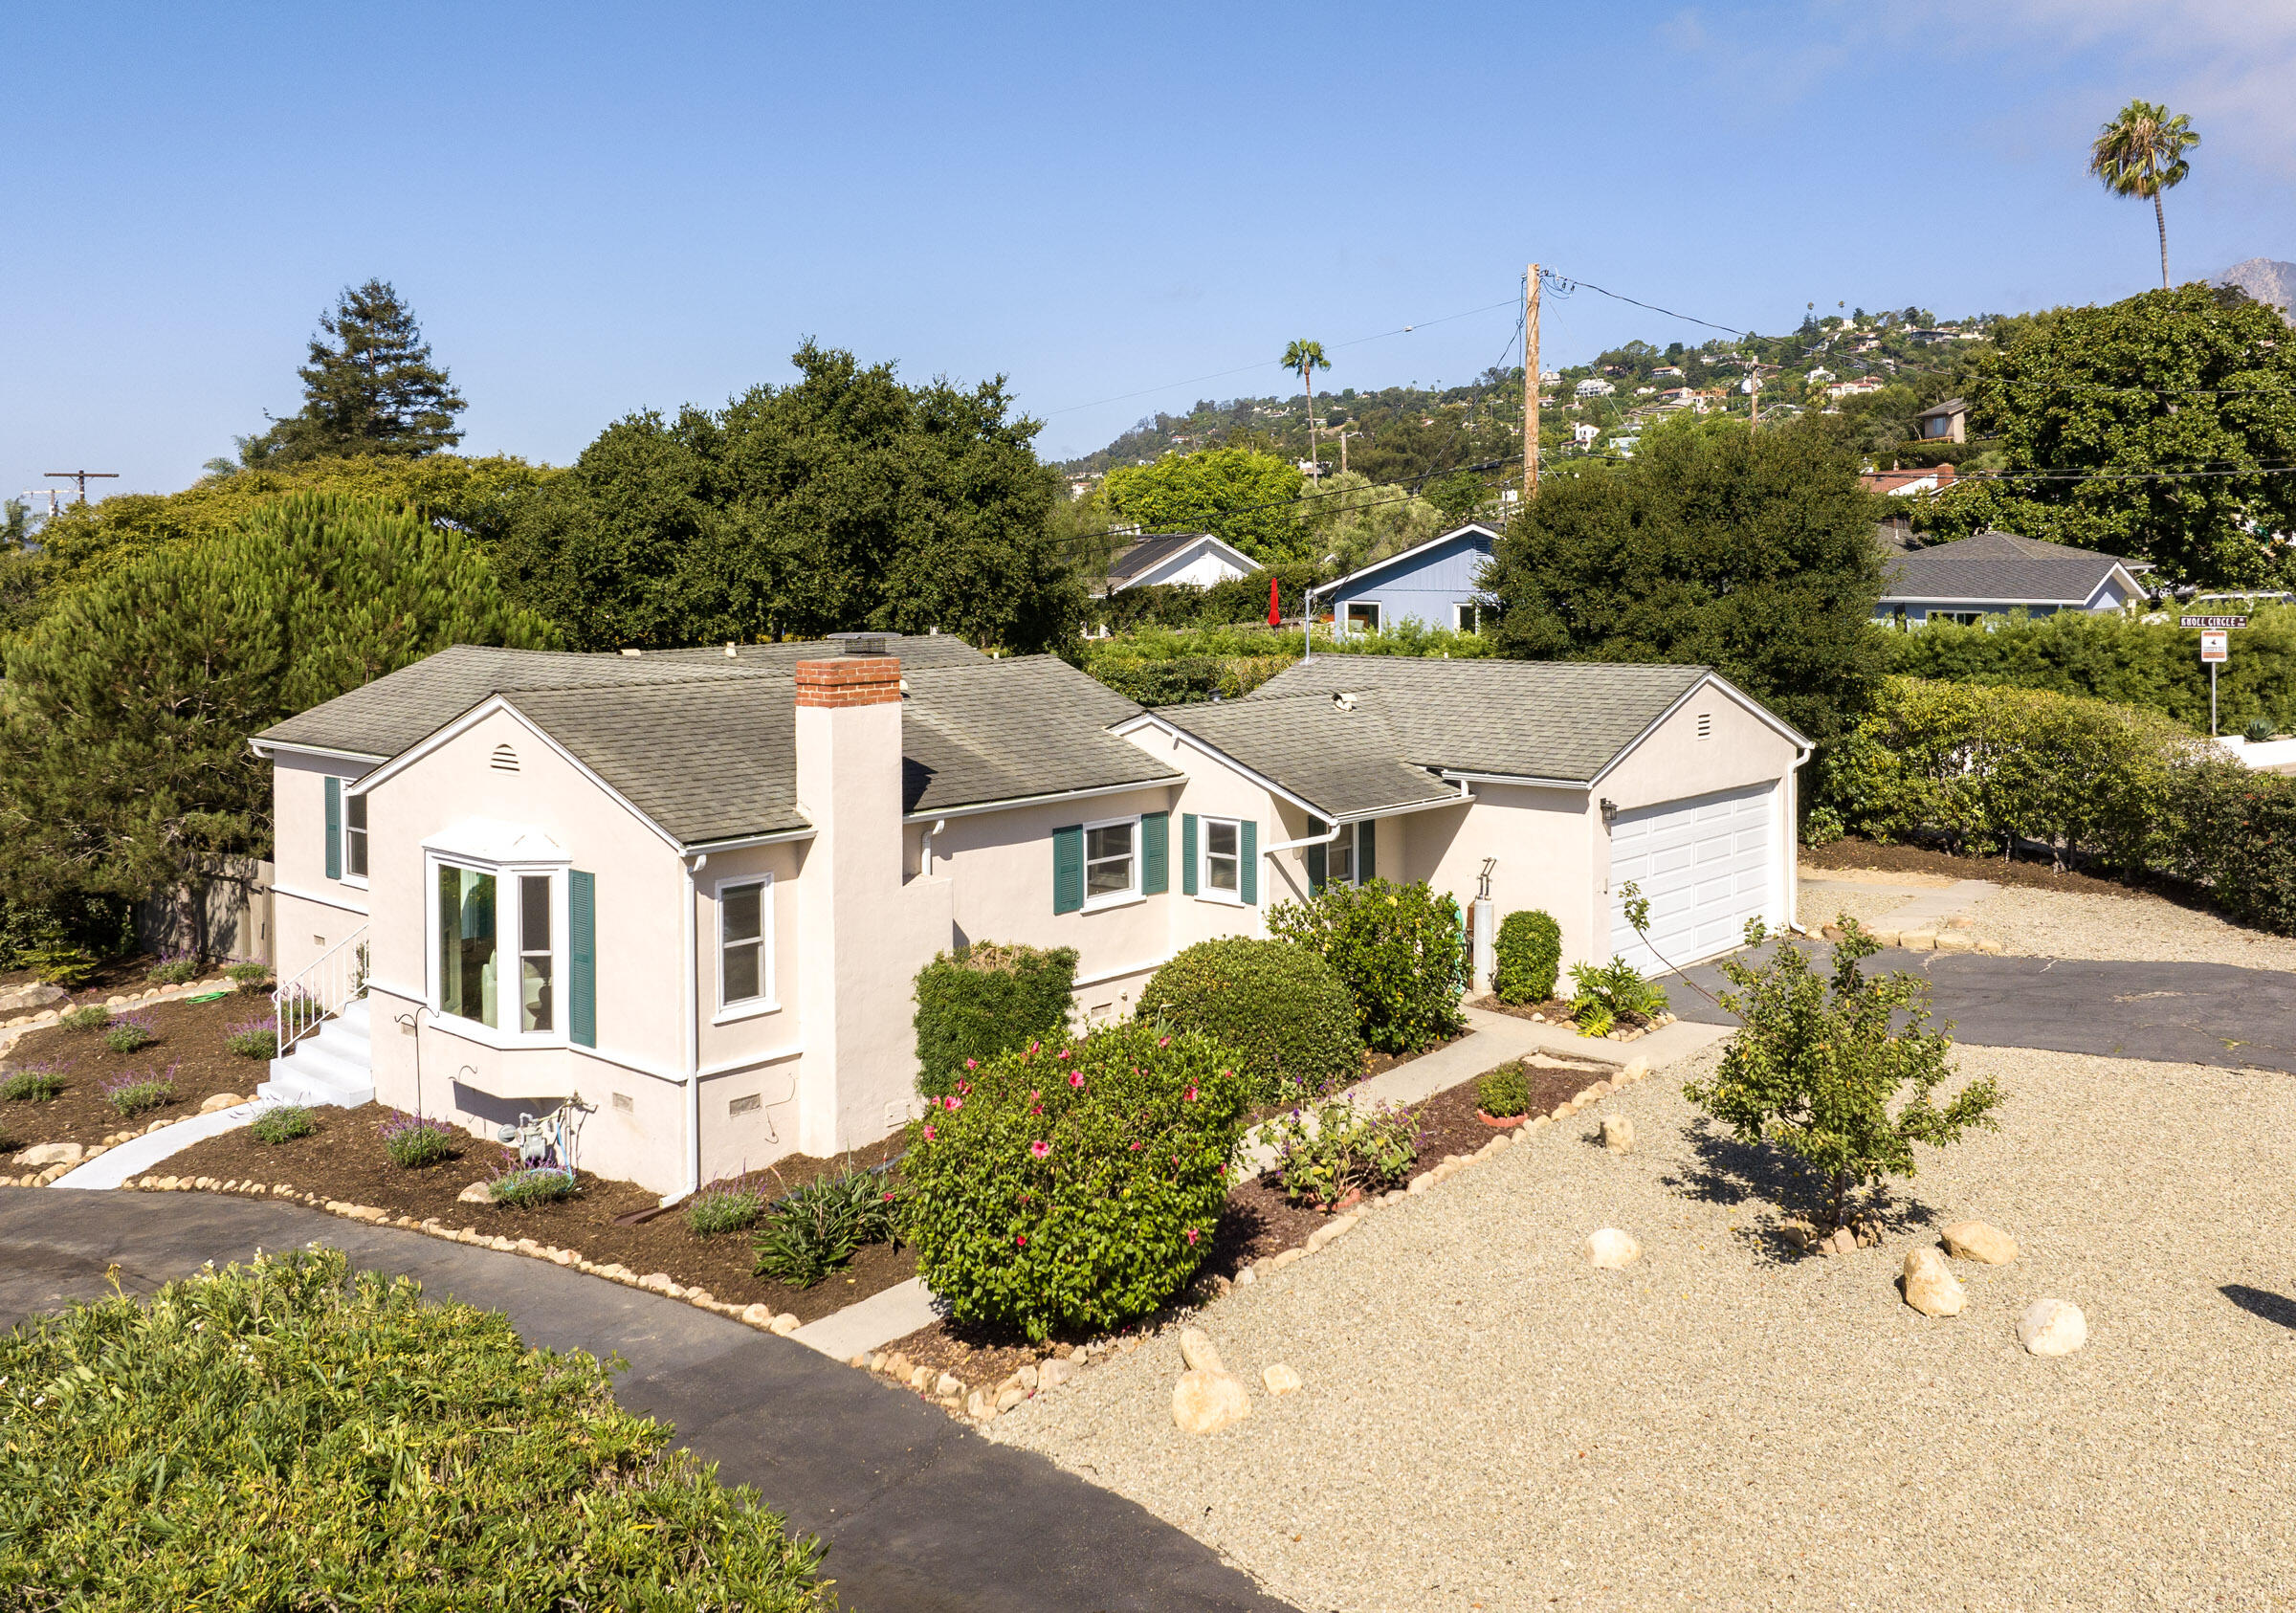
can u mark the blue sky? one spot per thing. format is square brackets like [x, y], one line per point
[601, 209]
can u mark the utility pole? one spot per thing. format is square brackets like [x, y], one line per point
[81, 477]
[1529, 385]
[1344, 435]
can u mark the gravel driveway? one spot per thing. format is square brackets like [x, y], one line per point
[1489, 1423]
[2131, 929]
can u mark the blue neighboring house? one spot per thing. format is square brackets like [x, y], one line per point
[1435, 583]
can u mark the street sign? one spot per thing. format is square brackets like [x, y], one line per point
[2212, 624]
[2216, 647]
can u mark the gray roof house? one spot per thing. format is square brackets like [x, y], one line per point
[1195, 557]
[1999, 573]
[671, 906]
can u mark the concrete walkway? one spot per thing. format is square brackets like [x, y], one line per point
[115, 1166]
[921, 1515]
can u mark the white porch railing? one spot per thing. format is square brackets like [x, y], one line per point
[328, 983]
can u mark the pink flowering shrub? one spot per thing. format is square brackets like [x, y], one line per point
[1067, 1186]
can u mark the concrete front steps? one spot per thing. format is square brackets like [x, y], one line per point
[333, 1067]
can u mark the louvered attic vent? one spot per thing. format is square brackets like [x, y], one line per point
[1705, 724]
[506, 759]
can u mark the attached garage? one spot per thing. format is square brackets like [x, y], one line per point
[1706, 866]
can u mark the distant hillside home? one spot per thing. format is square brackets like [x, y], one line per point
[1819, 377]
[1594, 386]
[1908, 480]
[1436, 585]
[1945, 422]
[1861, 387]
[1195, 558]
[1998, 574]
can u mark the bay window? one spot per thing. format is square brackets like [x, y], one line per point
[498, 940]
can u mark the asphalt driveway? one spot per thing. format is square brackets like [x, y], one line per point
[2178, 1013]
[921, 1515]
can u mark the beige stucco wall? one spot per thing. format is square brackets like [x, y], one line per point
[311, 912]
[1541, 847]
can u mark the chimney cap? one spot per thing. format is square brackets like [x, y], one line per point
[864, 644]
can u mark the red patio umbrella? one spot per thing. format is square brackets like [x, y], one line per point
[1276, 615]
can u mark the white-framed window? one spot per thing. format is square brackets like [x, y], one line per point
[1362, 615]
[1466, 617]
[1222, 878]
[746, 947]
[1340, 864]
[1112, 862]
[497, 947]
[354, 838]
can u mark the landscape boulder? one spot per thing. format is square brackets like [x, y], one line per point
[1611, 1250]
[1280, 1380]
[2052, 1327]
[52, 1153]
[475, 1194]
[221, 1100]
[1930, 1285]
[1204, 1402]
[1974, 1240]
[1196, 1349]
[1618, 1133]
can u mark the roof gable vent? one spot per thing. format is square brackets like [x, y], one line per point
[1705, 724]
[506, 759]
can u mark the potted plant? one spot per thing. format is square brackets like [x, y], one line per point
[1503, 1097]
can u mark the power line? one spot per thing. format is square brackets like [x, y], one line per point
[1564, 286]
[1246, 369]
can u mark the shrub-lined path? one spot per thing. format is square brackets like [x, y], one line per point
[921, 1514]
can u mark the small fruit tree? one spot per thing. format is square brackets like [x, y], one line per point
[1077, 1186]
[1822, 1073]
[1398, 949]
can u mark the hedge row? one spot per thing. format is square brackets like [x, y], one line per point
[1976, 765]
[2109, 657]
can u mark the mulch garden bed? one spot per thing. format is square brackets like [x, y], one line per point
[343, 1159]
[1851, 852]
[110, 975]
[1259, 1221]
[189, 1039]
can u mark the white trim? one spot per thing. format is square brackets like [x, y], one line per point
[780, 837]
[1343, 618]
[1107, 975]
[1529, 781]
[300, 895]
[934, 814]
[1432, 804]
[454, 1027]
[767, 999]
[1243, 564]
[1135, 890]
[734, 1067]
[479, 713]
[268, 749]
[1149, 718]
[1379, 565]
[1716, 679]
[1205, 892]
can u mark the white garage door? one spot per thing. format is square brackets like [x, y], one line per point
[1704, 865]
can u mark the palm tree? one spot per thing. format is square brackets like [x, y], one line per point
[1304, 359]
[2141, 153]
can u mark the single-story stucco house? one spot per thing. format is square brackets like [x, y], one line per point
[1999, 573]
[1437, 583]
[1193, 558]
[685, 895]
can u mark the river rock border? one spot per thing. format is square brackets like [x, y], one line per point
[983, 1406]
[759, 1317]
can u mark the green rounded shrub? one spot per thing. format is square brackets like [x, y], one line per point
[87, 1016]
[1503, 1093]
[982, 999]
[1529, 953]
[1284, 1011]
[282, 1123]
[1399, 950]
[1074, 1186]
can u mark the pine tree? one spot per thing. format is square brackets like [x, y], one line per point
[370, 388]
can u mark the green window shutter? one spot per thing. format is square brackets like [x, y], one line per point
[1068, 868]
[1315, 862]
[1155, 833]
[581, 922]
[1188, 854]
[1366, 837]
[334, 827]
[1249, 876]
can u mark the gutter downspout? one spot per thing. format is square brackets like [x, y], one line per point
[1794, 844]
[693, 1018]
[1306, 626]
[1324, 839]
